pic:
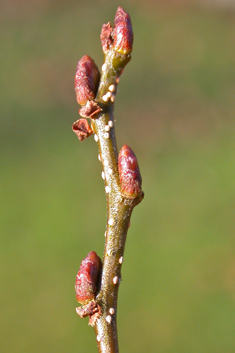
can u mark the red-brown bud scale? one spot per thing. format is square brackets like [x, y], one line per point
[90, 109]
[87, 279]
[87, 79]
[106, 36]
[130, 178]
[82, 129]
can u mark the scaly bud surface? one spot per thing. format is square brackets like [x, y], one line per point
[86, 283]
[130, 178]
[87, 80]
[122, 33]
[106, 36]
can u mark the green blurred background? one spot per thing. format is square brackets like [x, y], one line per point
[175, 107]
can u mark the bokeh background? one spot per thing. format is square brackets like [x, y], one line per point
[175, 107]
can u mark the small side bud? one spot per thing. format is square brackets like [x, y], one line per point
[87, 279]
[122, 33]
[130, 178]
[87, 80]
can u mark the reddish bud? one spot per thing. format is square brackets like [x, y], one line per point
[82, 129]
[122, 33]
[130, 178]
[87, 279]
[87, 80]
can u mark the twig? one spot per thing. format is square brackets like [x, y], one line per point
[121, 175]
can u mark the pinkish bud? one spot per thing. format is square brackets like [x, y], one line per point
[130, 178]
[122, 33]
[87, 80]
[87, 279]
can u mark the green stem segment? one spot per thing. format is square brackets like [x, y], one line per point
[119, 207]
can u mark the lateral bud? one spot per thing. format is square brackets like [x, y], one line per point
[87, 279]
[122, 33]
[129, 173]
[87, 80]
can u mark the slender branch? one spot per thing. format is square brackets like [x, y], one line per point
[119, 209]
[122, 186]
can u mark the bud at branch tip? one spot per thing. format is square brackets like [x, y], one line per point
[120, 37]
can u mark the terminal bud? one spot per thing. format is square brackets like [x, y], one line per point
[87, 279]
[130, 178]
[87, 80]
[122, 33]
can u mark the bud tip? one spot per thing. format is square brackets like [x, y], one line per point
[122, 33]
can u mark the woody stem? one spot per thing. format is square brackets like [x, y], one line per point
[119, 207]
